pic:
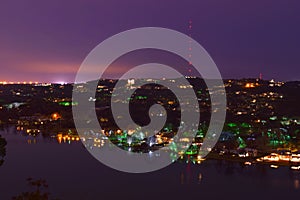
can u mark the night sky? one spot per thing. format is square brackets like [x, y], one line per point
[46, 41]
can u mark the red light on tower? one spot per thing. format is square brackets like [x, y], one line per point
[190, 55]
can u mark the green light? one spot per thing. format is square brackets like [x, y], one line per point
[200, 133]
[284, 118]
[242, 143]
[245, 125]
[141, 97]
[273, 118]
[232, 125]
[192, 150]
[67, 103]
[173, 147]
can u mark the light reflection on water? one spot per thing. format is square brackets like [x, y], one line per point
[72, 173]
[296, 184]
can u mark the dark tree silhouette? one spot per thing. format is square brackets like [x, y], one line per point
[39, 193]
[3, 143]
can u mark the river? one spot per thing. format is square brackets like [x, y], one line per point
[72, 173]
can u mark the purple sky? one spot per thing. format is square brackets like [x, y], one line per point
[46, 41]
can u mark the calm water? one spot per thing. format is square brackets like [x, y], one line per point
[72, 173]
